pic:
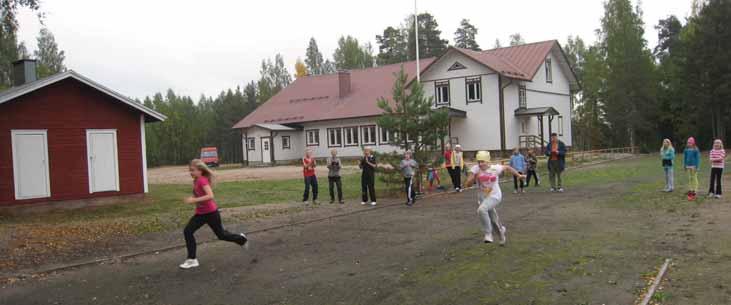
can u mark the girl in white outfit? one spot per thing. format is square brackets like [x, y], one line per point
[486, 176]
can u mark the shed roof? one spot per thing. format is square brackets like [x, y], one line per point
[536, 111]
[14, 92]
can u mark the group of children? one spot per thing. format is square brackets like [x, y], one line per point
[368, 177]
[691, 164]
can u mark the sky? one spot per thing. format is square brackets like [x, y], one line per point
[141, 47]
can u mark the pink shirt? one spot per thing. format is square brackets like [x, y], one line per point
[203, 207]
[717, 157]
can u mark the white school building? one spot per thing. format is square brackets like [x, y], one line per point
[498, 99]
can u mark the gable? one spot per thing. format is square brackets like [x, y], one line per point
[454, 64]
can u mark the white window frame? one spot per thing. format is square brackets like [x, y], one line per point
[312, 137]
[385, 135]
[370, 132]
[88, 160]
[251, 144]
[477, 82]
[549, 70]
[439, 86]
[354, 136]
[522, 97]
[560, 125]
[288, 144]
[336, 132]
[13, 134]
[524, 126]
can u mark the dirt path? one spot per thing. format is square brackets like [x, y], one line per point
[179, 174]
[586, 246]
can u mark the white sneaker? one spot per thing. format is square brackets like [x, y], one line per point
[503, 238]
[373, 203]
[515, 191]
[362, 203]
[711, 195]
[245, 245]
[560, 190]
[488, 238]
[189, 263]
[522, 191]
[718, 196]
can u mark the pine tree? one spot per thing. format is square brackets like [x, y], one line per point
[430, 42]
[497, 44]
[351, 55]
[274, 77]
[465, 35]
[391, 46]
[313, 59]
[50, 58]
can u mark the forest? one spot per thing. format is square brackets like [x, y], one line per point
[632, 93]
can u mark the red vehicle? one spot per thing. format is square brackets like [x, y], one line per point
[209, 155]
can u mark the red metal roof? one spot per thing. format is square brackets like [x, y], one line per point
[315, 98]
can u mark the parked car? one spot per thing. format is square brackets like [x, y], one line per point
[209, 155]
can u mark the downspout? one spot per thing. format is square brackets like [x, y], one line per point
[246, 145]
[501, 98]
[272, 134]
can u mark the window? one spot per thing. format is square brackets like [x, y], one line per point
[369, 135]
[549, 71]
[251, 143]
[286, 142]
[313, 137]
[351, 136]
[474, 89]
[454, 141]
[560, 125]
[442, 92]
[524, 126]
[522, 97]
[385, 136]
[335, 137]
[266, 145]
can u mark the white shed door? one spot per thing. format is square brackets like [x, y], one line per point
[30, 164]
[266, 155]
[103, 166]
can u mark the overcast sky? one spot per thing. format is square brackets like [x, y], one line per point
[140, 47]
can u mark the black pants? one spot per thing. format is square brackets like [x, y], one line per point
[310, 181]
[516, 181]
[716, 174]
[213, 220]
[335, 182]
[409, 188]
[367, 186]
[456, 175]
[531, 173]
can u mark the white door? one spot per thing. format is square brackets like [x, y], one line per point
[101, 149]
[266, 156]
[30, 164]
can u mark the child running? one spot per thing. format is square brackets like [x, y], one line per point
[691, 163]
[333, 176]
[368, 177]
[308, 170]
[667, 153]
[717, 156]
[517, 161]
[408, 165]
[206, 212]
[486, 176]
[532, 165]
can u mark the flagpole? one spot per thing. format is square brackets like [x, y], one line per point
[416, 28]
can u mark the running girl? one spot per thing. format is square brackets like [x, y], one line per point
[667, 153]
[486, 176]
[691, 163]
[206, 212]
[717, 156]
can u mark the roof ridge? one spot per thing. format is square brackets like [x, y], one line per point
[517, 46]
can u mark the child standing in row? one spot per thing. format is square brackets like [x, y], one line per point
[333, 177]
[206, 212]
[408, 165]
[717, 157]
[667, 153]
[691, 163]
[486, 176]
[532, 165]
[308, 170]
[517, 161]
[368, 177]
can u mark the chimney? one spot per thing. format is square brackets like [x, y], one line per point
[343, 83]
[24, 71]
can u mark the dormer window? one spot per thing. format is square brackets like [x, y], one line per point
[549, 71]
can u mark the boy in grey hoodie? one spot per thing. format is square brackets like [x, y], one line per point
[408, 165]
[333, 176]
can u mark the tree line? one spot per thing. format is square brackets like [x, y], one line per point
[634, 95]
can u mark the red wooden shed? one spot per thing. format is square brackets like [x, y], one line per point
[66, 137]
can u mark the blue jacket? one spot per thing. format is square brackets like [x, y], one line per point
[668, 154]
[518, 162]
[561, 155]
[692, 157]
